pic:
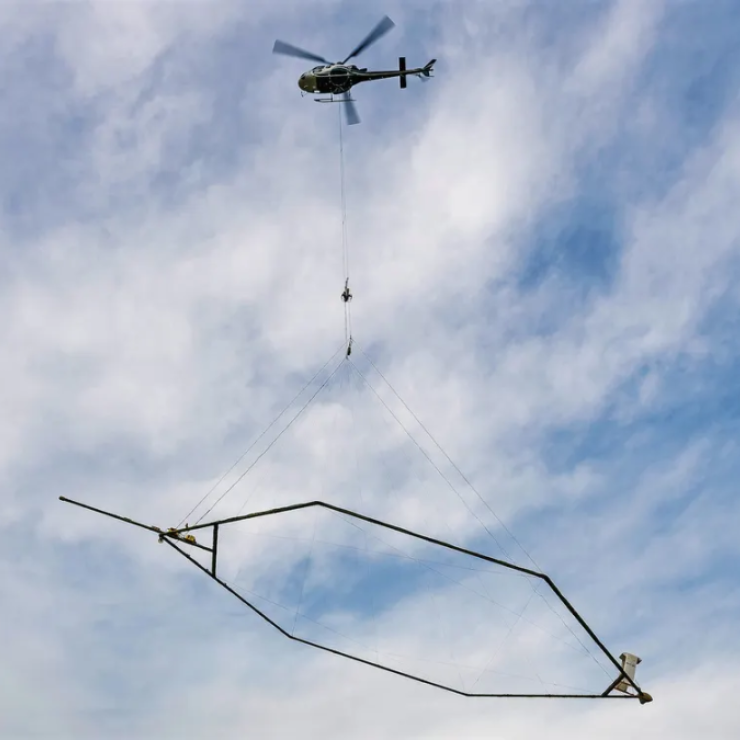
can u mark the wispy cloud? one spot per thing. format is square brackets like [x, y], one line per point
[543, 255]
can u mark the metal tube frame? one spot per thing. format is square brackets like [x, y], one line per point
[175, 535]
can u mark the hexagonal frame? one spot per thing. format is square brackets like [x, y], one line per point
[183, 536]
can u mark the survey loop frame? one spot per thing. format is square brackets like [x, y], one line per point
[624, 685]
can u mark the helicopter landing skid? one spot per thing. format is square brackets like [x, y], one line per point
[332, 99]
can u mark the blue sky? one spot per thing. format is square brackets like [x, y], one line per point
[544, 257]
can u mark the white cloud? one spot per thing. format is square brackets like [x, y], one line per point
[173, 340]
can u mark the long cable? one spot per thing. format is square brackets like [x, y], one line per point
[429, 459]
[347, 296]
[271, 445]
[452, 462]
[475, 491]
[264, 432]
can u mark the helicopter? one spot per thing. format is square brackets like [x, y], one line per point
[337, 78]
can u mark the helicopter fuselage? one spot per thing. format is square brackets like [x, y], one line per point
[335, 79]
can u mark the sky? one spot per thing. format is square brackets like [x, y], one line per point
[544, 255]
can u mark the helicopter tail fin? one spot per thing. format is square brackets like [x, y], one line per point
[402, 69]
[427, 69]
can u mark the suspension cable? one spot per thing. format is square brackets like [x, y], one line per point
[270, 446]
[472, 488]
[452, 462]
[264, 432]
[347, 294]
[429, 459]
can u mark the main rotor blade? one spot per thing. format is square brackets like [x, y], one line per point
[350, 109]
[293, 51]
[381, 29]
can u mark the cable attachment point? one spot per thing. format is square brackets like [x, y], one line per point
[176, 535]
[349, 347]
[347, 293]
